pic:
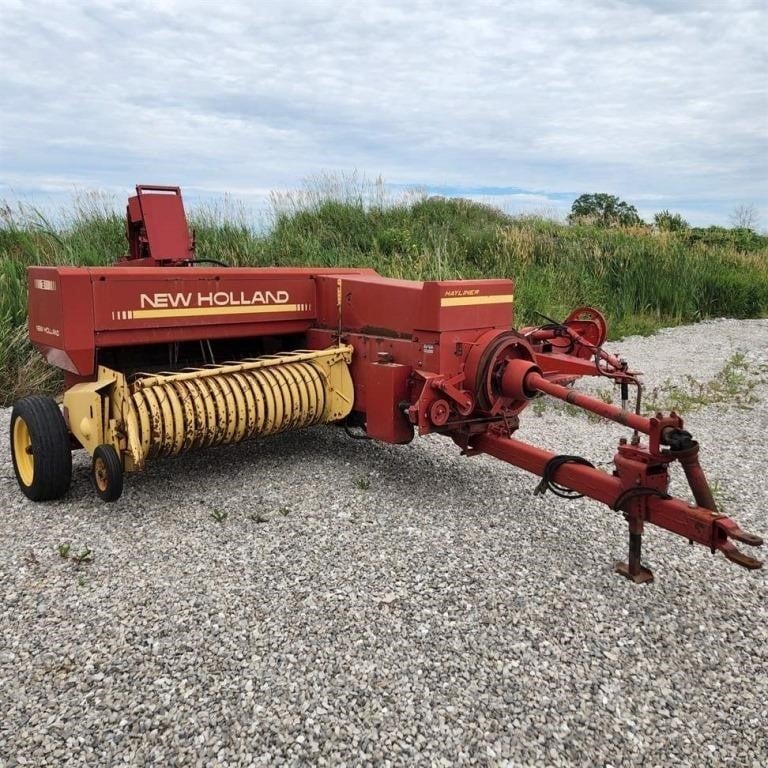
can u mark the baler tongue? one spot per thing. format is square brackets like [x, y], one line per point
[639, 483]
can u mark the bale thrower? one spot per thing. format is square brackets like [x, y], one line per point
[164, 353]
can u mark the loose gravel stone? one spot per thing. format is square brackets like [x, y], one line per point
[442, 616]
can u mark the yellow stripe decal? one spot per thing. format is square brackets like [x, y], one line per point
[250, 309]
[465, 301]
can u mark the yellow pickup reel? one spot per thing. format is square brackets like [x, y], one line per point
[122, 424]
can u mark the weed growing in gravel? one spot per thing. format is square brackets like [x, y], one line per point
[31, 559]
[84, 556]
[572, 410]
[63, 549]
[606, 396]
[719, 493]
[219, 515]
[257, 517]
[734, 385]
[363, 483]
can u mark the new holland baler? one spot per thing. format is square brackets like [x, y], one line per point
[164, 353]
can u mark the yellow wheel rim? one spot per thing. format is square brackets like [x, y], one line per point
[100, 474]
[22, 451]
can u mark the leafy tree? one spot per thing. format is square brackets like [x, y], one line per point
[670, 222]
[603, 210]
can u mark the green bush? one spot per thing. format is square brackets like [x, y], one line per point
[670, 222]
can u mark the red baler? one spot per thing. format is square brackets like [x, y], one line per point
[163, 355]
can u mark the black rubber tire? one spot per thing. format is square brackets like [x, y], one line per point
[107, 473]
[51, 474]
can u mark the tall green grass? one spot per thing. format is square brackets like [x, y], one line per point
[641, 278]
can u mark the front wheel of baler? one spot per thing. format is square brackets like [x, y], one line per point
[40, 448]
[107, 473]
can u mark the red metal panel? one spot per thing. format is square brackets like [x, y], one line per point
[130, 299]
[165, 223]
[451, 305]
[387, 385]
[233, 330]
[381, 306]
[75, 310]
[60, 317]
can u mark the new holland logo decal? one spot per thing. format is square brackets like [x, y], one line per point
[206, 303]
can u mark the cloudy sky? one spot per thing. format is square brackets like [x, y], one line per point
[527, 104]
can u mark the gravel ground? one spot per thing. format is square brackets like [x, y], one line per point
[443, 615]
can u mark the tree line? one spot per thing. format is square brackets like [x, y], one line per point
[604, 210]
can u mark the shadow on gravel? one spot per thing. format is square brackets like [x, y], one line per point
[309, 455]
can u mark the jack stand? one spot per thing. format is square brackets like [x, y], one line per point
[633, 569]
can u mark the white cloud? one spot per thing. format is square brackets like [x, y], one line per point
[648, 100]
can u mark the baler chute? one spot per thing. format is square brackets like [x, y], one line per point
[162, 355]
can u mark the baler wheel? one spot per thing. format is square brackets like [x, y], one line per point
[40, 448]
[107, 473]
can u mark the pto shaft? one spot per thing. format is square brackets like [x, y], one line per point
[535, 381]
